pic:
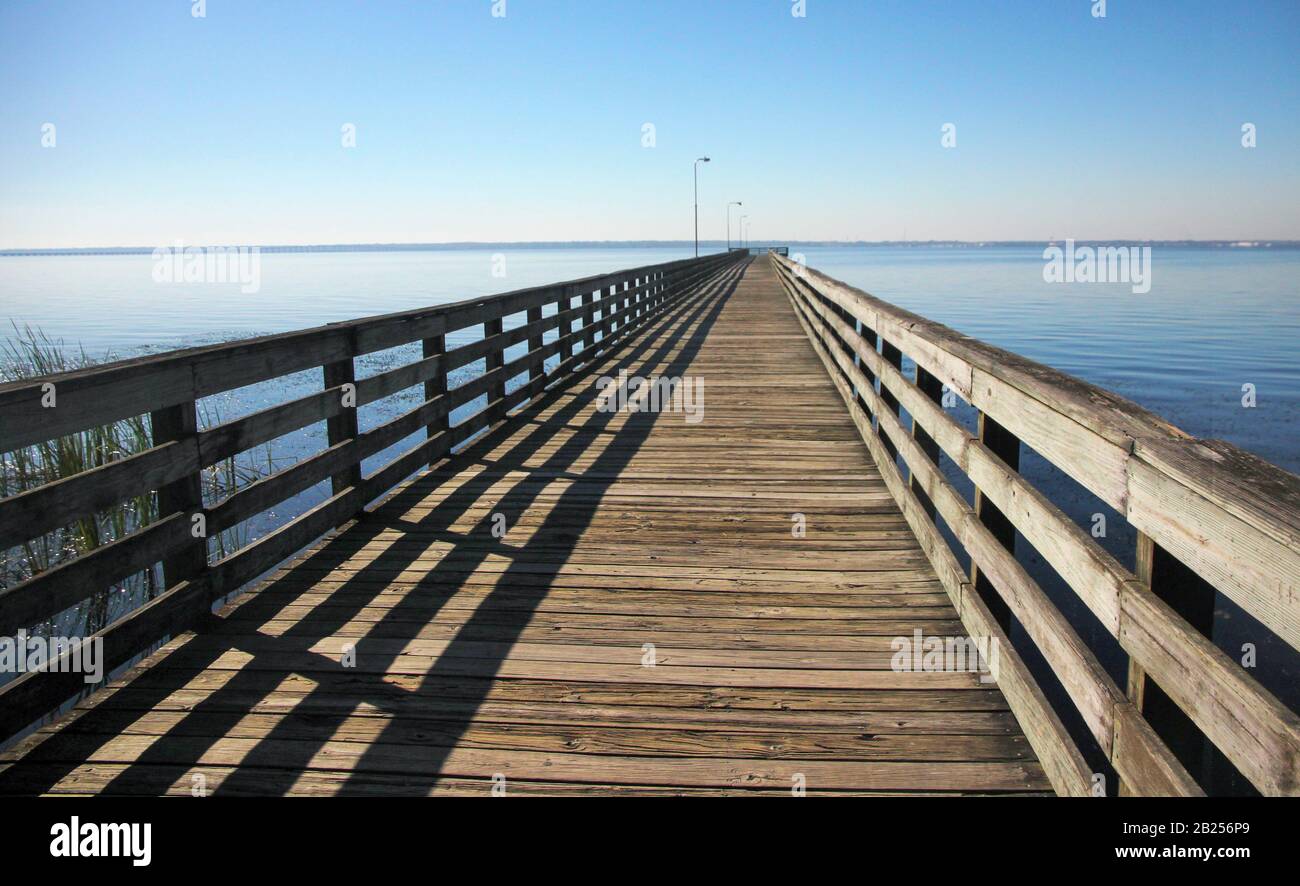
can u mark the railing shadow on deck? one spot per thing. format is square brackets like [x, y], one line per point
[451, 692]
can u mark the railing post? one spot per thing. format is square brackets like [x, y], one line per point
[183, 496]
[894, 357]
[1006, 446]
[588, 319]
[870, 338]
[535, 343]
[1193, 598]
[494, 359]
[563, 327]
[567, 330]
[932, 388]
[608, 304]
[342, 427]
[848, 320]
[436, 346]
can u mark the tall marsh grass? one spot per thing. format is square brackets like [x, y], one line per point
[28, 354]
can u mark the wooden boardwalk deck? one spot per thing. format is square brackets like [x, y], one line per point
[525, 657]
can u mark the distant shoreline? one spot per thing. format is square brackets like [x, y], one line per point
[644, 244]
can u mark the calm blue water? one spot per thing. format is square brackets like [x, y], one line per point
[1213, 321]
[112, 302]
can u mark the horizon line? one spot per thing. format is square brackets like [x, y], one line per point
[554, 244]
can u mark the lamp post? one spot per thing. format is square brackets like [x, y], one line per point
[729, 205]
[698, 161]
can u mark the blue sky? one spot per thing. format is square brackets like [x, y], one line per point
[468, 127]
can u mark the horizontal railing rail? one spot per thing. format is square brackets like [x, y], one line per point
[590, 316]
[1208, 516]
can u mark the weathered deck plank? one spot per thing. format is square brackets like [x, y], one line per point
[525, 656]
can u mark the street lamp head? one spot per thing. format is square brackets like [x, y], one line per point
[702, 160]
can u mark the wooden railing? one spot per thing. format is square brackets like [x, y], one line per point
[1209, 516]
[167, 388]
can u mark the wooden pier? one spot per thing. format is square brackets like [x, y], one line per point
[573, 600]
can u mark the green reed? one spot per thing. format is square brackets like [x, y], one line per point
[29, 354]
